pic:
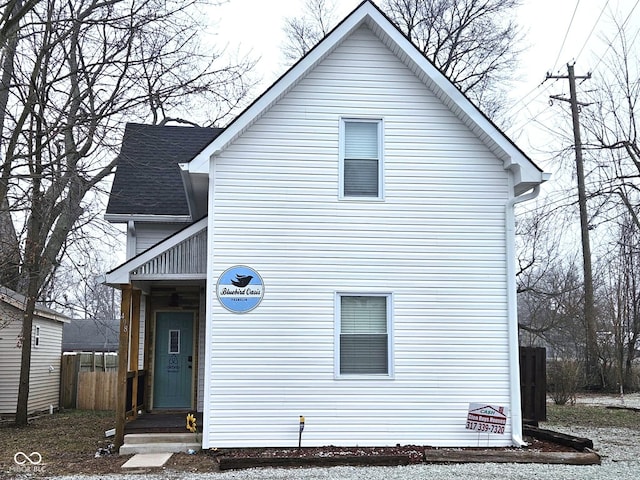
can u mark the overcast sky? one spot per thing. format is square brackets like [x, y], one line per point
[556, 32]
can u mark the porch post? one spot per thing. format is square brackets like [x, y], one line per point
[134, 349]
[123, 362]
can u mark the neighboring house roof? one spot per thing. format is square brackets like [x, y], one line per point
[19, 301]
[147, 180]
[90, 335]
[526, 174]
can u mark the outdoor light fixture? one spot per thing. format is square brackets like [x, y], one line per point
[174, 300]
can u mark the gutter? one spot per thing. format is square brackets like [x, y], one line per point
[512, 315]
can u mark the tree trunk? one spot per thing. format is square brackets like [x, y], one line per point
[25, 361]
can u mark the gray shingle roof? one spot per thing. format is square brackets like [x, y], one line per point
[147, 179]
[91, 335]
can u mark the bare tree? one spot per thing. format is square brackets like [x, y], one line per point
[620, 322]
[73, 73]
[473, 42]
[612, 122]
[304, 32]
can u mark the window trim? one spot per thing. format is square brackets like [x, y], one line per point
[390, 337]
[380, 123]
[36, 336]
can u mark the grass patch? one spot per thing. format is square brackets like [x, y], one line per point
[591, 416]
[65, 440]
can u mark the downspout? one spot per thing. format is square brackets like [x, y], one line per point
[512, 313]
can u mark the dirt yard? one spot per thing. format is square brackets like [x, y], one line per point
[72, 443]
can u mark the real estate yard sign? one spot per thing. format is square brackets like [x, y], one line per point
[486, 418]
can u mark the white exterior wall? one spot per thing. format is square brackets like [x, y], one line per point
[44, 382]
[44, 385]
[436, 242]
[148, 234]
[9, 359]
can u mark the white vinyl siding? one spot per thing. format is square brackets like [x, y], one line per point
[361, 158]
[44, 382]
[437, 242]
[148, 234]
[363, 344]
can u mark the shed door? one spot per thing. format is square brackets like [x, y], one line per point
[173, 372]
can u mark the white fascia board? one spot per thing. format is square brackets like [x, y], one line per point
[40, 311]
[58, 317]
[121, 275]
[126, 218]
[525, 171]
[200, 163]
[469, 114]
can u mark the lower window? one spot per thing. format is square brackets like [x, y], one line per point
[364, 334]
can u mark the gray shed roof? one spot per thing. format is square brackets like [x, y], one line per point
[19, 301]
[147, 179]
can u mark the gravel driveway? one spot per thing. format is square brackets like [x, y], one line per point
[619, 448]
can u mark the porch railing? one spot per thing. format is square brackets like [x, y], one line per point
[185, 260]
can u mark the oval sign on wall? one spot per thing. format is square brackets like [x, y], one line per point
[240, 289]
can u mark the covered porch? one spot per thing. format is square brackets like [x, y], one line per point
[161, 324]
[161, 422]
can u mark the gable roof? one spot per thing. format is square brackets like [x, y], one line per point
[526, 174]
[148, 181]
[19, 301]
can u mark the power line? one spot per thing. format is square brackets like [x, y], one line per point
[522, 99]
[566, 35]
[592, 29]
[601, 57]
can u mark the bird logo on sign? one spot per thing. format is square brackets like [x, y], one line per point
[241, 281]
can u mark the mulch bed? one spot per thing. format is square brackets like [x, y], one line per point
[538, 451]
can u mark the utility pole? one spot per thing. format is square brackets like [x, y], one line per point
[591, 348]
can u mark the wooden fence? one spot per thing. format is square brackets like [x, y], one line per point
[88, 381]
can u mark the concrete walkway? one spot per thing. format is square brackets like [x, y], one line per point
[147, 460]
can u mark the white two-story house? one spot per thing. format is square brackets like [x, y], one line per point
[343, 250]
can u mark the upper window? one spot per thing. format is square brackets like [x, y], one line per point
[361, 158]
[36, 336]
[364, 343]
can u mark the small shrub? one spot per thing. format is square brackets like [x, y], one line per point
[563, 379]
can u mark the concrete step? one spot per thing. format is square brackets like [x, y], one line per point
[135, 438]
[129, 449]
[159, 443]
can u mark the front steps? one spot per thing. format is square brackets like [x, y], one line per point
[160, 443]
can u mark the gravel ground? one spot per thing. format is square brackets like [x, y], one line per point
[619, 448]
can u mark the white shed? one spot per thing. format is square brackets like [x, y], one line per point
[46, 352]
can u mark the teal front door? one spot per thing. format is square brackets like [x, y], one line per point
[173, 369]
